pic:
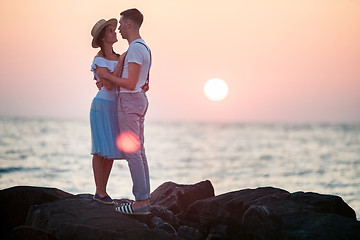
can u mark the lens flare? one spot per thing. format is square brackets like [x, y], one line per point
[128, 142]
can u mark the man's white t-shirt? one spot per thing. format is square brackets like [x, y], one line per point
[137, 53]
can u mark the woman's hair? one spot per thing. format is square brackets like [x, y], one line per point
[133, 15]
[100, 42]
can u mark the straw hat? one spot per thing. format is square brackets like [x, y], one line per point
[100, 26]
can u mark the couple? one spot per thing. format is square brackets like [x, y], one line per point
[120, 107]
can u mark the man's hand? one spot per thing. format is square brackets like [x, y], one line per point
[99, 84]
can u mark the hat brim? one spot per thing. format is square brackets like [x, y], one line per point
[112, 21]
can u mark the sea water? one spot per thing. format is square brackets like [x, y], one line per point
[322, 158]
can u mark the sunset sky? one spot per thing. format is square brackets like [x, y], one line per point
[283, 60]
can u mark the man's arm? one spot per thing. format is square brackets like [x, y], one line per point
[128, 83]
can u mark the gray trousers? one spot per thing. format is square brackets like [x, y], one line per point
[132, 108]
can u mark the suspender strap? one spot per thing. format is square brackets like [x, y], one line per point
[148, 75]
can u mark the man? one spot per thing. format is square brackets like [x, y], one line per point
[132, 107]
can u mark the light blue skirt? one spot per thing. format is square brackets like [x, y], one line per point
[104, 129]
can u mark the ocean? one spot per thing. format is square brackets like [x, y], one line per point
[322, 158]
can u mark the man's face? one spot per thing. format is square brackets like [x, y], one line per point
[123, 28]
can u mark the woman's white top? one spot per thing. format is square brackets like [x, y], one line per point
[109, 64]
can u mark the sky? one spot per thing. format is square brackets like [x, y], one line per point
[284, 61]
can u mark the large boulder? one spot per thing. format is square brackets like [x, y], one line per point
[227, 214]
[177, 198]
[15, 203]
[270, 213]
[80, 217]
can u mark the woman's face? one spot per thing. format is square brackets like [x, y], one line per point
[110, 35]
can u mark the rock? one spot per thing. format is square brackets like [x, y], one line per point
[270, 213]
[258, 222]
[179, 212]
[228, 208]
[217, 233]
[165, 214]
[80, 217]
[159, 224]
[189, 233]
[15, 203]
[324, 203]
[177, 198]
[29, 233]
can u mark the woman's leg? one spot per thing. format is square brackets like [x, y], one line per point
[98, 163]
[107, 166]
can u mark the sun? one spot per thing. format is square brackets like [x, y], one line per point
[216, 89]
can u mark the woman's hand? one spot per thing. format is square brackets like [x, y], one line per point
[119, 65]
[122, 58]
[99, 84]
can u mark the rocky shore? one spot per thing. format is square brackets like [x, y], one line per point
[178, 212]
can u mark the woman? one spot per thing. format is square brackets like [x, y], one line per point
[103, 113]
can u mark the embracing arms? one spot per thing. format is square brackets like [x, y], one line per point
[107, 78]
[102, 73]
[128, 83]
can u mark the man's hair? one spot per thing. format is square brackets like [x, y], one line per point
[133, 15]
